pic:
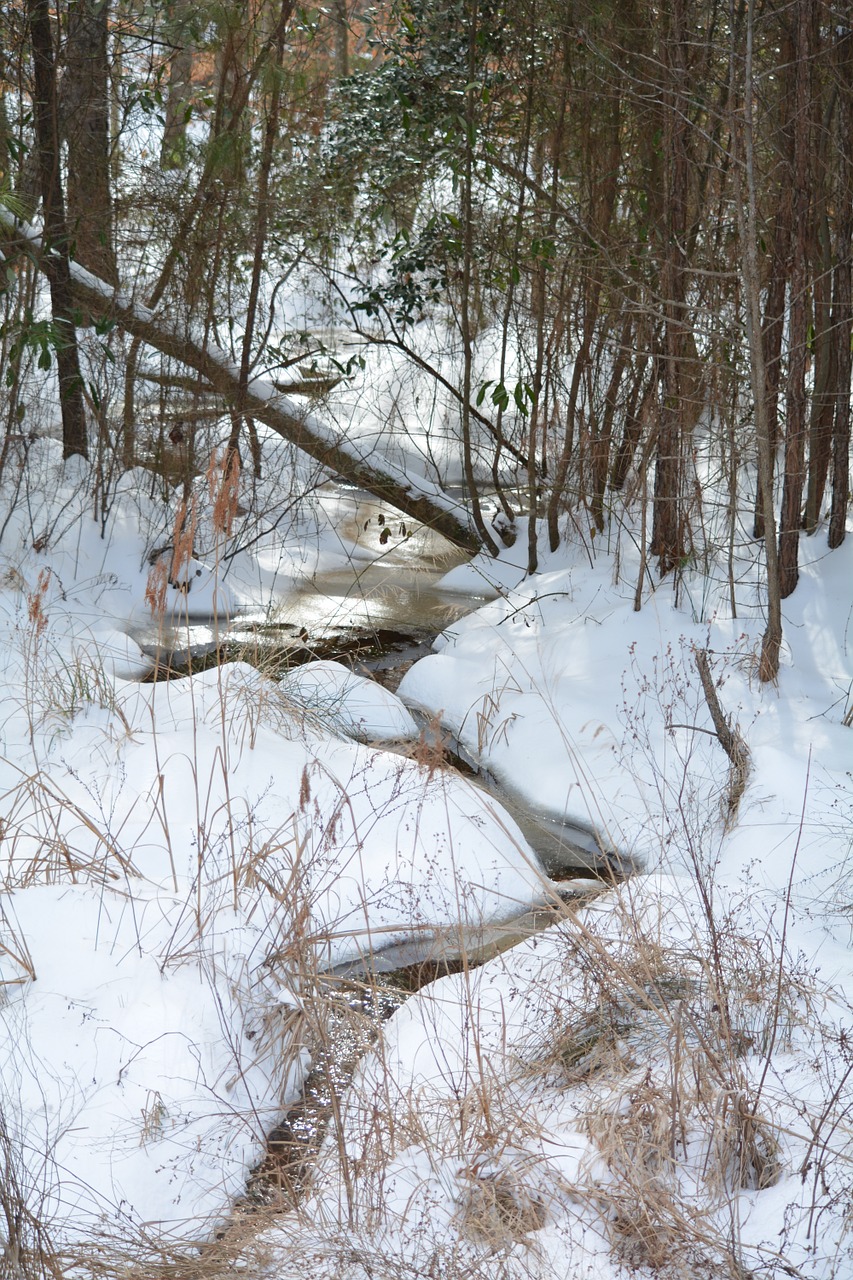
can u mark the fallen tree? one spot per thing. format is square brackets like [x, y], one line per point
[412, 494]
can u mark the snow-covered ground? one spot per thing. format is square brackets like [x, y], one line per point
[659, 1081]
[662, 1081]
[178, 860]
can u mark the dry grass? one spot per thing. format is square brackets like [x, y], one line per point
[656, 1050]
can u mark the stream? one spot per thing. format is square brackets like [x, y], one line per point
[379, 615]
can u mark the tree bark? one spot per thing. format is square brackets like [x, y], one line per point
[412, 494]
[771, 644]
[466, 174]
[86, 122]
[774, 309]
[603, 205]
[55, 258]
[843, 311]
[264, 209]
[340, 23]
[173, 146]
[603, 437]
[795, 426]
[823, 393]
[668, 528]
[642, 400]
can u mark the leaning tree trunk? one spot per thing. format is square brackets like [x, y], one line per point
[54, 257]
[411, 493]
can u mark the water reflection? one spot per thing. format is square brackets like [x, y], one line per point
[388, 587]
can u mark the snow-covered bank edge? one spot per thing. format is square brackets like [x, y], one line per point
[661, 1086]
[182, 862]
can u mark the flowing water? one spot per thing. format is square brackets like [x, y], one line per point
[378, 615]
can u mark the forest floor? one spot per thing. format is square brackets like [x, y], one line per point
[658, 1083]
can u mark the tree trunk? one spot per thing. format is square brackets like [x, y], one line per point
[823, 394]
[668, 541]
[264, 208]
[340, 22]
[54, 259]
[774, 309]
[638, 411]
[173, 146]
[86, 122]
[465, 174]
[604, 435]
[747, 210]
[411, 493]
[843, 310]
[603, 202]
[795, 400]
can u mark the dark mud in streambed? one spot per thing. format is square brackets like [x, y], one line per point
[359, 998]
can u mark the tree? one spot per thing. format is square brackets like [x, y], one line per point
[55, 247]
[178, 87]
[745, 176]
[86, 126]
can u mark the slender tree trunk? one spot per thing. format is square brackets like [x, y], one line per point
[795, 399]
[466, 299]
[825, 375]
[604, 203]
[843, 309]
[771, 644]
[774, 311]
[509, 300]
[340, 22]
[261, 224]
[55, 247]
[538, 417]
[638, 411]
[174, 144]
[668, 533]
[228, 118]
[603, 438]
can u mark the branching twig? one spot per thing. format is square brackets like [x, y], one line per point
[729, 738]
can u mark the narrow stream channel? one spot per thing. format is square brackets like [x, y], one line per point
[378, 616]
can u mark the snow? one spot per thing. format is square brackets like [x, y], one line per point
[129, 1076]
[657, 1084]
[480, 1143]
[360, 707]
[174, 856]
[181, 860]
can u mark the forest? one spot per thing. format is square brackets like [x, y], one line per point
[425, 800]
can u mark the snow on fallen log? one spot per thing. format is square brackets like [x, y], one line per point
[410, 493]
